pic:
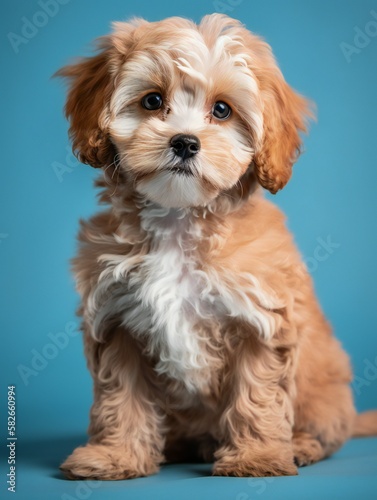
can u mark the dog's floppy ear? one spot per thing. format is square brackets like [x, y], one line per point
[285, 115]
[90, 86]
[91, 83]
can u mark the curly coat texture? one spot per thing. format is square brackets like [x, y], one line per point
[201, 327]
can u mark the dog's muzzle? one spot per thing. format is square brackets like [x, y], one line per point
[184, 146]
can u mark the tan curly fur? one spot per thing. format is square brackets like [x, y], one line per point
[202, 331]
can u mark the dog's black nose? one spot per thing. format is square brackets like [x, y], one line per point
[185, 145]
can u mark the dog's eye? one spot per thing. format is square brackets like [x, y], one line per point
[221, 110]
[152, 101]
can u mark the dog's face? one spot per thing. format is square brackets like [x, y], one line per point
[186, 116]
[185, 110]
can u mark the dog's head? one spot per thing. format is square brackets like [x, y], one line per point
[185, 110]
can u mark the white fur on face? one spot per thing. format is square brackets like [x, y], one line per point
[191, 77]
[177, 190]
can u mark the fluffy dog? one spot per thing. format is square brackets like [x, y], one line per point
[201, 328]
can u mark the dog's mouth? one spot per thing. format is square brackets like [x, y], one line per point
[183, 168]
[181, 171]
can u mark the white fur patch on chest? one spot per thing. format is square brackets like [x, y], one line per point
[169, 301]
[169, 284]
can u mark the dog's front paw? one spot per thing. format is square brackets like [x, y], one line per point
[105, 463]
[255, 465]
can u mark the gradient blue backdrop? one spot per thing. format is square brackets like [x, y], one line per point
[332, 193]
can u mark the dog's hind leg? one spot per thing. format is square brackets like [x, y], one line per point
[324, 409]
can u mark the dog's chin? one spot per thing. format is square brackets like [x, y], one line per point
[176, 188]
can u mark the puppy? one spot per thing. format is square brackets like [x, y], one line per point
[201, 328]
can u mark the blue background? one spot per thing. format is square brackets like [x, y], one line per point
[332, 194]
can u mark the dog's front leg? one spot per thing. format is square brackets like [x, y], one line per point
[126, 438]
[257, 420]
